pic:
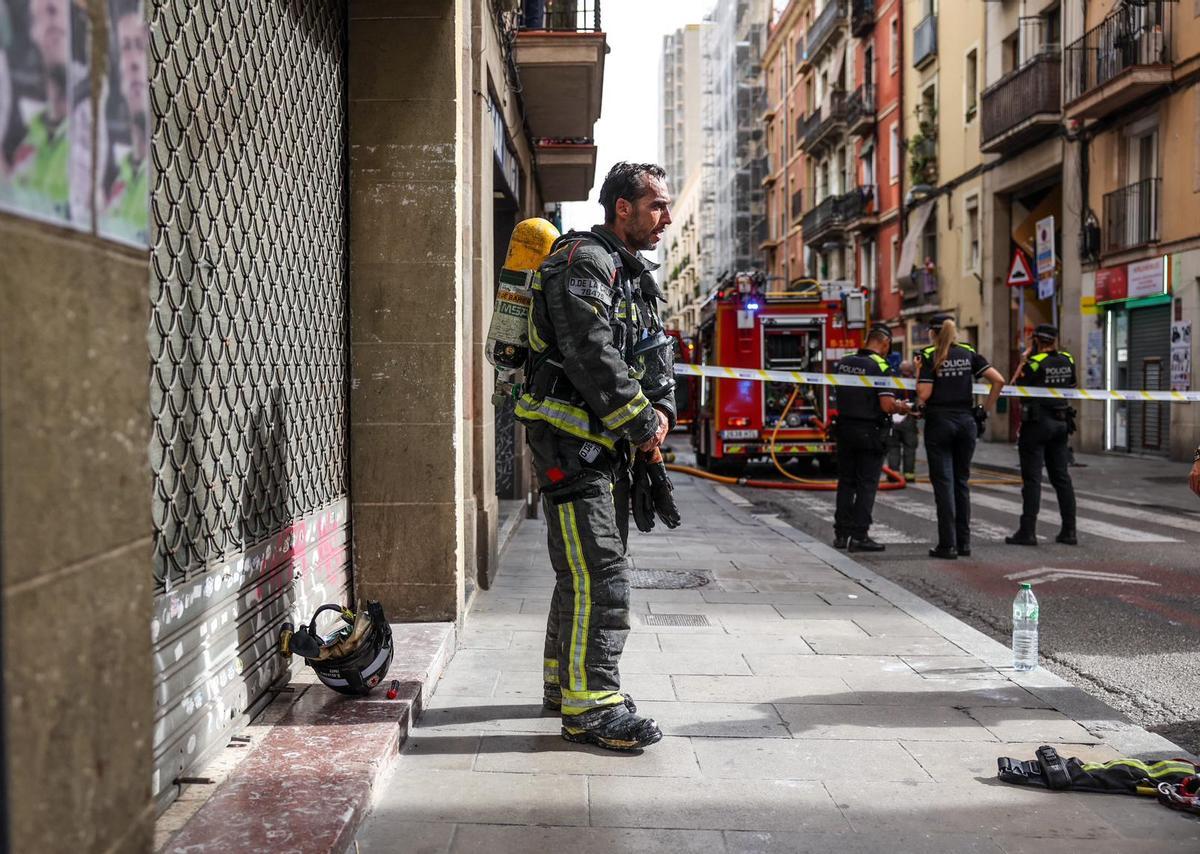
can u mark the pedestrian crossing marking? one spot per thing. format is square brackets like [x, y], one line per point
[1047, 574]
[1164, 519]
[879, 532]
[928, 513]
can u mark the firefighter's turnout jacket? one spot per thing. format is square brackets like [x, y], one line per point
[593, 300]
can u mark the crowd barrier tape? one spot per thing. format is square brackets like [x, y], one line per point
[807, 378]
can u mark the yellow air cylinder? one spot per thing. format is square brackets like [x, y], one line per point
[508, 334]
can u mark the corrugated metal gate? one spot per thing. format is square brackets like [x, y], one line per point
[249, 352]
[1150, 369]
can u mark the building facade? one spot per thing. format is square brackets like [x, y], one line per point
[683, 270]
[314, 274]
[681, 143]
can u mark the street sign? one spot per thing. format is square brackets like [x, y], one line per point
[1019, 274]
[1046, 287]
[1045, 247]
[1046, 574]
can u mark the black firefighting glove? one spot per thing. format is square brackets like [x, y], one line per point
[981, 417]
[661, 489]
[641, 494]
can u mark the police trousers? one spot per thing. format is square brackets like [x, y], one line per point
[860, 453]
[1044, 442]
[950, 436]
[586, 507]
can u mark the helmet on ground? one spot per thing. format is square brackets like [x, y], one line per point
[354, 658]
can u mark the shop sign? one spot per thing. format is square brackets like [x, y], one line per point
[1147, 278]
[1111, 284]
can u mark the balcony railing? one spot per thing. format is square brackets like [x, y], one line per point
[862, 16]
[860, 108]
[805, 125]
[1032, 90]
[925, 41]
[925, 282]
[1134, 35]
[826, 24]
[834, 212]
[859, 203]
[831, 115]
[797, 204]
[569, 16]
[1131, 216]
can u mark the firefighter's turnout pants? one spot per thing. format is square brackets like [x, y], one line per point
[587, 518]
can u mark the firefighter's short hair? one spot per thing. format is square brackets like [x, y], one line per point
[626, 181]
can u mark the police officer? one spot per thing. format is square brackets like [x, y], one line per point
[946, 372]
[863, 425]
[585, 412]
[1046, 424]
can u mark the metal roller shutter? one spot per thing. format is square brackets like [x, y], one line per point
[1150, 369]
[248, 347]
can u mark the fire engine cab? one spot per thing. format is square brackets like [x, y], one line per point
[807, 327]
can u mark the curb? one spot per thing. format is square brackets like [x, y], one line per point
[1096, 716]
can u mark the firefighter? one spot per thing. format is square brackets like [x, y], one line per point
[946, 372]
[902, 444]
[863, 425]
[1046, 425]
[585, 412]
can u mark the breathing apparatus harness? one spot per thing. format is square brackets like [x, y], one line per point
[354, 658]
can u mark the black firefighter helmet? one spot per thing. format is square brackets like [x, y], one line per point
[353, 659]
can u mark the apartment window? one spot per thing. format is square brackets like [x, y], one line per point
[869, 66]
[1010, 53]
[894, 153]
[971, 236]
[868, 168]
[971, 84]
[1052, 30]
[868, 267]
[893, 260]
[894, 44]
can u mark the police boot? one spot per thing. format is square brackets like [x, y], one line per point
[1026, 535]
[1067, 536]
[866, 544]
[840, 541]
[622, 731]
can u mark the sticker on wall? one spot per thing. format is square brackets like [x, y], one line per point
[1181, 355]
[46, 111]
[123, 192]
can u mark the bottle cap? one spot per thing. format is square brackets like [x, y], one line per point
[1025, 585]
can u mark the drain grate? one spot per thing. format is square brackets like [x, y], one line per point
[667, 579]
[674, 620]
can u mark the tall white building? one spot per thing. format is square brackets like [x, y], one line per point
[681, 135]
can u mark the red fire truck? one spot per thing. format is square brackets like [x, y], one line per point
[807, 327]
[687, 389]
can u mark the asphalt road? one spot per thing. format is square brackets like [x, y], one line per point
[1120, 612]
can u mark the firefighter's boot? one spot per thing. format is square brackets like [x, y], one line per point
[1026, 535]
[620, 731]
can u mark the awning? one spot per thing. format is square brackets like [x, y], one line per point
[917, 221]
[838, 65]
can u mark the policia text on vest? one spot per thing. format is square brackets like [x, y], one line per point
[598, 389]
[1045, 428]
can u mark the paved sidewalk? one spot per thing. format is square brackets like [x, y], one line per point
[822, 709]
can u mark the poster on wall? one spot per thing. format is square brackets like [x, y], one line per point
[1095, 359]
[45, 111]
[1181, 355]
[123, 193]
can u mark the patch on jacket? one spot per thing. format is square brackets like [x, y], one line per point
[590, 289]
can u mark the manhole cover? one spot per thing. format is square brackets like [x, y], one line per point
[666, 579]
[674, 620]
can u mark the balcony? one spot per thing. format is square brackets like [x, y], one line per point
[1131, 216]
[860, 110]
[830, 216]
[797, 205]
[925, 42]
[559, 51]
[566, 171]
[925, 282]
[859, 209]
[806, 125]
[862, 16]
[1123, 59]
[1023, 106]
[832, 120]
[767, 166]
[825, 26]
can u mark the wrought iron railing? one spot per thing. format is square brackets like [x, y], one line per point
[806, 125]
[834, 211]
[862, 16]
[860, 106]
[925, 282]
[858, 202]
[826, 24]
[1033, 88]
[832, 113]
[1131, 215]
[561, 16]
[1135, 34]
[925, 41]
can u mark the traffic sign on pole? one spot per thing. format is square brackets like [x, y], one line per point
[1020, 273]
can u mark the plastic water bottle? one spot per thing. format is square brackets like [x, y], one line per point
[1025, 629]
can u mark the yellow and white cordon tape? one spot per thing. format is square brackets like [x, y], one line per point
[807, 378]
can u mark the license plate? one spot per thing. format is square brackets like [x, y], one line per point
[739, 434]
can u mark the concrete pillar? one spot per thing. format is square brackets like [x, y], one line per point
[409, 193]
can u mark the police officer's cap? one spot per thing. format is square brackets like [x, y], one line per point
[1046, 331]
[935, 322]
[880, 330]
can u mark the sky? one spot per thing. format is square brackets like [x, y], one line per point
[628, 126]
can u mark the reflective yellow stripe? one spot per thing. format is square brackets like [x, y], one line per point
[587, 595]
[619, 417]
[574, 658]
[550, 671]
[569, 419]
[578, 702]
[535, 340]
